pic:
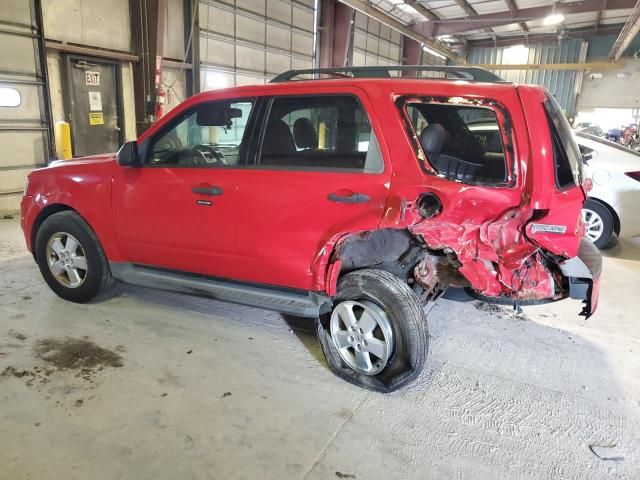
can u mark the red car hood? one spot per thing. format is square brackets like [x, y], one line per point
[92, 159]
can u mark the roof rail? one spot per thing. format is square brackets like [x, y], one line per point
[475, 74]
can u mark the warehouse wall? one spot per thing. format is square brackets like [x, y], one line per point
[174, 79]
[374, 43]
[103, 24]
[614, 89]
[251, 41]
[561, 83]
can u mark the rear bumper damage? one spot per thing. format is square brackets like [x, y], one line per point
[583, 276]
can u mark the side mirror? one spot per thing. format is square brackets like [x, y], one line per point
[128, 155]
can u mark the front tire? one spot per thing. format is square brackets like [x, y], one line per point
[71, 259]
[599, 223]
[376, 337]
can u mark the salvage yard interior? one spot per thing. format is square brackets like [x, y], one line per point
[361, 239]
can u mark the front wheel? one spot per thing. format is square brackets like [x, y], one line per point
[376, 337]
[71, 259]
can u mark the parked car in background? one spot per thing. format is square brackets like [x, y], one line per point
[613, 204]
[590, 128]
[353, 201]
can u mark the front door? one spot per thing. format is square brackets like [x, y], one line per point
[178, 211]
[319, 174]
[93, 105]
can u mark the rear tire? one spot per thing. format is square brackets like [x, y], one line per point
[599, 223]
[78, 273]
[401, 336]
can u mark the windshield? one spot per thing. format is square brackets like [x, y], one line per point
[566, 155]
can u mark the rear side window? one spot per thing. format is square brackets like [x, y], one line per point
[566, 155]
[320, 133]
[461, 142]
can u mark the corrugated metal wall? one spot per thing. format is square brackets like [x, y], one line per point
[250, 41]
[374, 43]
[561, 83]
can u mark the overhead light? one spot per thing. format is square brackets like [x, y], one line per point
[445, 38]
[553, 19]
[433, 52]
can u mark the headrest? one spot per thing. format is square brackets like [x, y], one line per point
[304, 134]
[278, 139]
[432, 140]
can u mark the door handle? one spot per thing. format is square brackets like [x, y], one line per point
[207, 190]
[349, 198]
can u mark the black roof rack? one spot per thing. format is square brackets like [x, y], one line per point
[475, 74]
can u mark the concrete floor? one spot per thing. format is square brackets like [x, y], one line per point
[176, 387]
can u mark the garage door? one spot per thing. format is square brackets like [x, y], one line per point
[23, 122]
[251, 41]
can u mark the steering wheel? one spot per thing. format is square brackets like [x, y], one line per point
[209, 155]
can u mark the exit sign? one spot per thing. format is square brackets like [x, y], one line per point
[92, 78]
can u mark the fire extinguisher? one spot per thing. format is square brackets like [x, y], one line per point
[160, 101]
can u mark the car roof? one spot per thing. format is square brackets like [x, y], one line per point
[402, 84]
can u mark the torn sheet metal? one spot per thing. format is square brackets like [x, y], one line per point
[495, 256]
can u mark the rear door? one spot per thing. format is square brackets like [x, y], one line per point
[318, 173]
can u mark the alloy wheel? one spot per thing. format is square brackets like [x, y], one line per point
[594, 226]
[362, 334]
[67, 260]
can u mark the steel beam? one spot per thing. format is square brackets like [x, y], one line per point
[192, 46]
[382, 17]
[411, 55]
[336, 26]
[628, 33]
[544, 37]
[552, 66]
[478, 22]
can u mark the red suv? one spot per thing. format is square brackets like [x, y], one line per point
[351, 198]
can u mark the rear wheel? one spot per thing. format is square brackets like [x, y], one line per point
[71, 259]
[376, 336]
[599, 223]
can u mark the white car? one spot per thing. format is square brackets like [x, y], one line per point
[613, 204]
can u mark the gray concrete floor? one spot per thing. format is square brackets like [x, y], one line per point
[184, 387]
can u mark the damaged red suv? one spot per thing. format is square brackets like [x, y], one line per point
[355, 198]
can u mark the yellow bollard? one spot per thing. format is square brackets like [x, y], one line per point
[322, 136]
[62, 131]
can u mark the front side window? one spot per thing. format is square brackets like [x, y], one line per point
[320, 133]
[460, 142]
[209, 135]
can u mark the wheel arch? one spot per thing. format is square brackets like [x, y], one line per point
[396, 251]
[616, 219]
[45, 213]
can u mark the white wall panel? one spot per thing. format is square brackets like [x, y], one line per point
[174, 31]
[374, 43]
[253, 40]
[103, 23]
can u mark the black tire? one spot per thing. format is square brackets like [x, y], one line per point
[98, 281]
[408, 321]
[607, 236]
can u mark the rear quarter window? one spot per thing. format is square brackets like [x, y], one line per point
[461, 142]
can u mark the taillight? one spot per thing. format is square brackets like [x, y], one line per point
[634, 175]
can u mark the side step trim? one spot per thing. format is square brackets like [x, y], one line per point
[302, 304]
